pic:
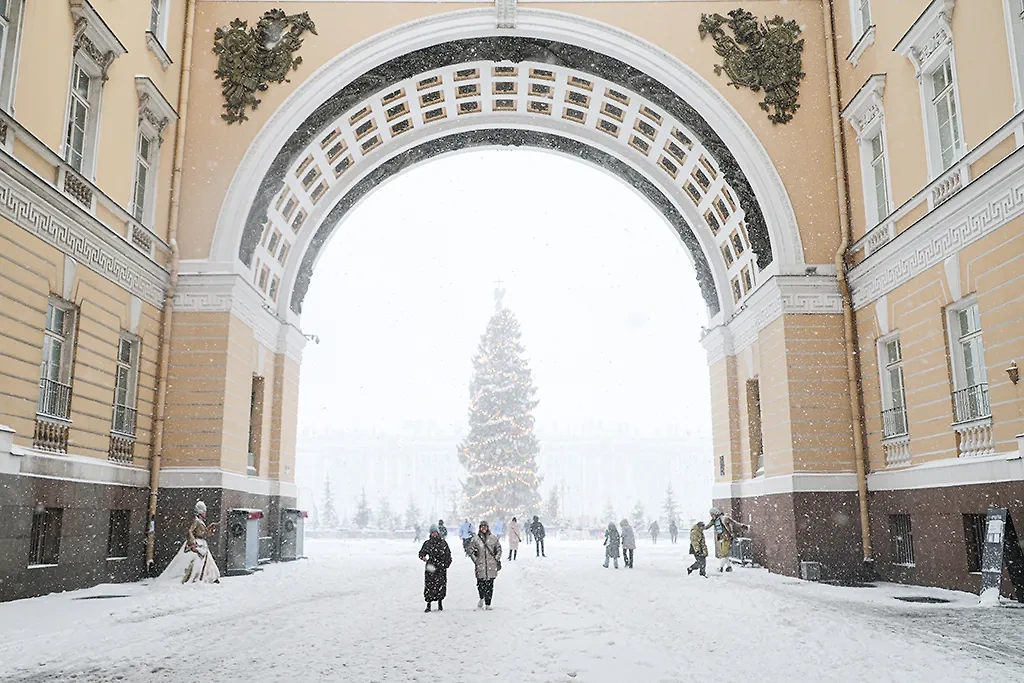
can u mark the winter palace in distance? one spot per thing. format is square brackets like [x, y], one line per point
[847, 177]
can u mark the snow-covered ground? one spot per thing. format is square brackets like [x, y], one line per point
[353, 613]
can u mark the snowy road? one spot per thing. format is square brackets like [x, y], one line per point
[353, 613]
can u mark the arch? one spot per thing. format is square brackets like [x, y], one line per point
[544, 42]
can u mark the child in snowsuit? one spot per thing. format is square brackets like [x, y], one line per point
[611, 545]
[699, 550]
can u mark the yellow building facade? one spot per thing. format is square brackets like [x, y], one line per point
[860, 256]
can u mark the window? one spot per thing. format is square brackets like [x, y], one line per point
[902, 537]
[894, 402]
[970, 383]
[754, 425]
[125, 385]
[864, 12]
[156, 11]
[255, 424]
[876, 146]
[1015, 28]
[974, 541]
[10, 29]
[55, 372]
[117, 536]
[79, 123]
[863, 31]
[44, 545]
[945, 116]
[145, 154]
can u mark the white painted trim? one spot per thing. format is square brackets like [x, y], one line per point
[786, 484]
[1015, 43]
[734, 131]
[979, 209]
[951, 472]
[216, 478]
[28, 462]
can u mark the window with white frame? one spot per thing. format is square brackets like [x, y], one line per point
[970, 382]
[1015, 28]
[10, 32]
[126, 380]
[95, 49]
[928, 45]
[156, 16]
[894, 401]
[58, 351]
[156, 32]
[945, 117]
[862, 28]
[145, 153]
[867, 117]
[155, 114]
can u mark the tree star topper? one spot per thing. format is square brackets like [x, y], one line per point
[249, 59]
[760, 56]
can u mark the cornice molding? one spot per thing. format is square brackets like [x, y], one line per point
[932, 31]
[231, 293]
[980, 208]
[778, 296]
[865, 109]
[866, 40]
[153, 106]
[38, 207]
[94, 37]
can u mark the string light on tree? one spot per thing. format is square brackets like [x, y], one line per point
[500, 452]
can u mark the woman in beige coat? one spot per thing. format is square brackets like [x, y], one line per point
[485, 551]
[514, 538]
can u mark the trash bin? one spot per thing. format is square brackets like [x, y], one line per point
[293, 525]
[742, 551]
[243, 540]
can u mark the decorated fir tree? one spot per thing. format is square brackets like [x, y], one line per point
[500, 452]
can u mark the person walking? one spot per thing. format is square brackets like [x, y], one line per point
[417, 529]
[529, 533]
[611, 545]
[442, 529]
[699, 550]
[537, 530]
[673, 531]
[628, 543]
[514, 537]
[726, 529]
[466, 534]
[499, 529]
[485, 551]
[437, 557]
[654, 532]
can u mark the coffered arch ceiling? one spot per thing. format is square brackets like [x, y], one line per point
[508, 90]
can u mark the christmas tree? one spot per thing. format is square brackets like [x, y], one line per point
[553, 509]
[500, 452]
[412, 514]
[330, 516]
[671, 512]
[639, 516]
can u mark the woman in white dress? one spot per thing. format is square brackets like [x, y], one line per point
[194, 563]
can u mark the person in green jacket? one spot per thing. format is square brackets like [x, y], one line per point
[699, 550]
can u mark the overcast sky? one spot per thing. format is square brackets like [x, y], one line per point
[610, 310]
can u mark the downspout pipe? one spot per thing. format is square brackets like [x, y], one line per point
[850, 332]
[167, 316]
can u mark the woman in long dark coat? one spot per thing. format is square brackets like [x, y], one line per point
[438, 557]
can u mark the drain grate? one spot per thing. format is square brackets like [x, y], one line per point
[99, 597]
[921, 598]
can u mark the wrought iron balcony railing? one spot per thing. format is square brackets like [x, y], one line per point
[971, 403]
[54, 399]
[894, 422]
[124, 420]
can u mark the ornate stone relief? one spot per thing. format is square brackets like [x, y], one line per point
[506, 13]
[760, 56]
[865, 109]
[154, 108]
[93, 37]
[932, 31]
[249, 59]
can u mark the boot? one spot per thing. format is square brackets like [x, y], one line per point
[689, 570]
[728, 568]
[480, 603]
[428, 608]
[440, 607]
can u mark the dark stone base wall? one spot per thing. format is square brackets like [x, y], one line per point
[825, 527]
[175, 514]
[85, 527]
[937, 525]
[790, 528]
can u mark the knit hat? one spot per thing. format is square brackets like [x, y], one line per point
[483, 522]
[434, 529]
[200, 507]
[715, 512]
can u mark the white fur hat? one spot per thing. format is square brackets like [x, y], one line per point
[200, 507]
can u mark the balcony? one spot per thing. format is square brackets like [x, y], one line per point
[122, 435]
[53, 412]
[971, 404]
[894, 422]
